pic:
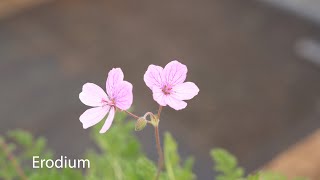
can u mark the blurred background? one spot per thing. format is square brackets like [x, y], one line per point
[256, 63]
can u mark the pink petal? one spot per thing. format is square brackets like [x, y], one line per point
[123, 95]
[153, 76]
[115, 77]
[109, 121]
[175, 103]
[159, 96]
[175, 73]
[92, 95]
[92, 116]
[185, 91]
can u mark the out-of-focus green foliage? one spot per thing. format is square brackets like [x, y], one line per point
[226, 166]
[121, 156]
[174, 170]
[117, 156]
[24, 147]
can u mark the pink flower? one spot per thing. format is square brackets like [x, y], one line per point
[168, 84]
[119, 95]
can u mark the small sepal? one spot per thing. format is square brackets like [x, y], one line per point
[154, 120]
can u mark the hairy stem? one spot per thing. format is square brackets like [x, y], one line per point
[159, 111]
[12, 159]
[158, 143]
[159, 149]
[131, 114]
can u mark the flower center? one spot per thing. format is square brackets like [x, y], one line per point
[166, 90]
[108, 102]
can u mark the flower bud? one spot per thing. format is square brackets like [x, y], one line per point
[140, 124]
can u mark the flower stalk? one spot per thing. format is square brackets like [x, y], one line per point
[131, 114]
[159, 150]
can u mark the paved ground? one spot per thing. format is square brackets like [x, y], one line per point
[300, 160]
[256, 96]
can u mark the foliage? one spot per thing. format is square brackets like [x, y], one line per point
[117, 156]
[174, 171]
[24, 147]
[121, 156]
[226, 166]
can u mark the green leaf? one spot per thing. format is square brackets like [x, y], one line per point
[145, 168]
[174, 169]
[272, 176]
[226, 165]
[23, 138]
[253, 176]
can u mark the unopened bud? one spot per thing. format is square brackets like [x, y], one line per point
[140, 124]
